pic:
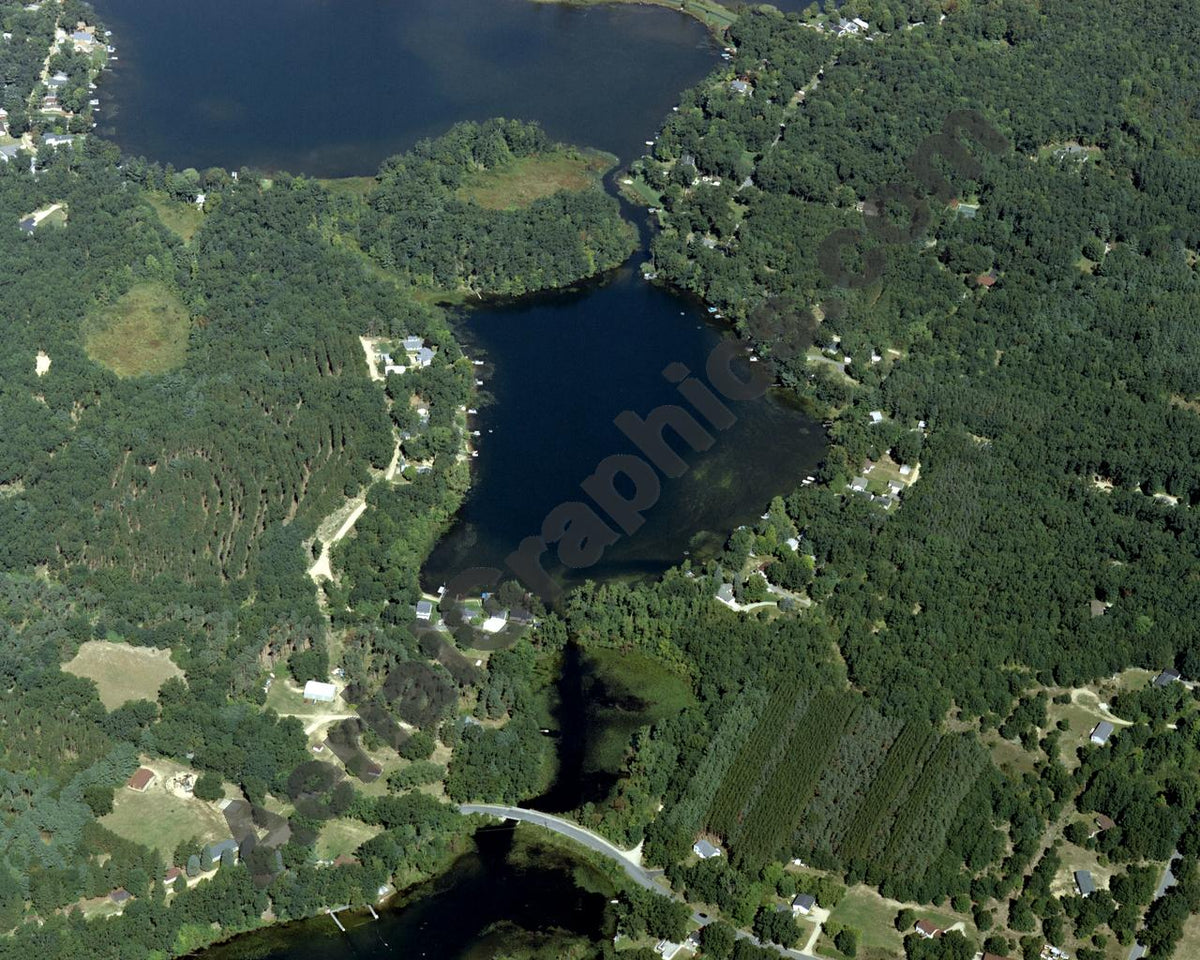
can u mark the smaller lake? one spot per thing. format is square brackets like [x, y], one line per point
[559, 368]
[497, 895]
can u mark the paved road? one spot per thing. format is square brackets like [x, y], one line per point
[625, 858]
[593, 841]
[1137, 951]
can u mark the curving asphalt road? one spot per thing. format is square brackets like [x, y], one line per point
[627, 860]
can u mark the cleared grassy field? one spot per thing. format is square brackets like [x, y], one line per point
[182, 219]
[873, 917]
[349, 186]
[144, 332]
[519, 183]
[121, 672]
[160, 819]
[340, 837]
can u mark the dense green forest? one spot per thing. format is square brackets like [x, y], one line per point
[418, 225]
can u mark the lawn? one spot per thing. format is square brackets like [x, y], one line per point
[182, 219]
[873, 917]
[340, 837]
[121, 672]
[162, 820]
[144, 332]
[520, 182]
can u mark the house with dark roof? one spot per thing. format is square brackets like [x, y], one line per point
[803, 903]
[1084, 883]
[1166, 678]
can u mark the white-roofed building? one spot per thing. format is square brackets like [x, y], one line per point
[317, 692]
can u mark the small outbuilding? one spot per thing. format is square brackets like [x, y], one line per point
[141, 779]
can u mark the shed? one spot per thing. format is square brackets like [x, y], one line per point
[705, 850]
[803, 903]
[1101, 732]
[1084, 883]
[141, 779]
[317, 692]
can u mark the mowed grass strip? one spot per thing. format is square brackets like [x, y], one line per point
[122, 672]
[144, 332]
[520, 182]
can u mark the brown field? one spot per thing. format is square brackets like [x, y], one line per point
[144, 332]
[121, 672]
[519, 183]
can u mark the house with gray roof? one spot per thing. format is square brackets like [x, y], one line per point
[741, 87]
[1084, 883]
[1166, 678]
[1101, 732]
[705, 850]
[216, 850]
[424, 610]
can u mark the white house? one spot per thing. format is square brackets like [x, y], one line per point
[317, 692]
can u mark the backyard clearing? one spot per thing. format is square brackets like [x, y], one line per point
[162, 818]
[121, 672]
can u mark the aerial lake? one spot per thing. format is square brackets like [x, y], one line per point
[331, 89]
